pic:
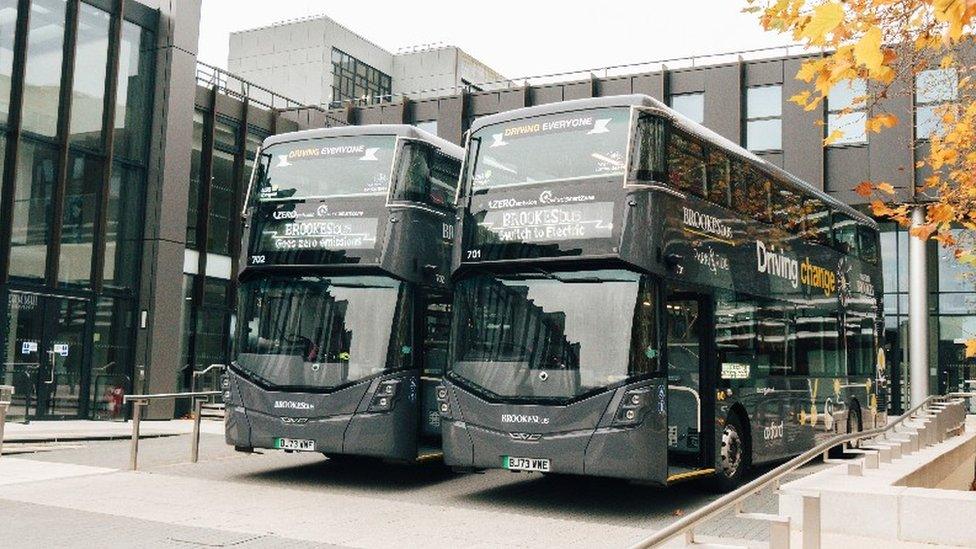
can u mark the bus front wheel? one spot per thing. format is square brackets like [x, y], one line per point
[733, 456]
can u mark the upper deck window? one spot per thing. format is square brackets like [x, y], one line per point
[426, 175]
[567, 146]
[325, 168]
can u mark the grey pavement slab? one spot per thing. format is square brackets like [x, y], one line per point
[361, 502]
[30, 525]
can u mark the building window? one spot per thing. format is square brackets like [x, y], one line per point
[692, 105]
[353, 79]
[846, 112]
[764, 124]
[429, 126]
[934, 89]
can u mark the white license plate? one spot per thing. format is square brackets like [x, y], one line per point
[526, 464]
[299, 444]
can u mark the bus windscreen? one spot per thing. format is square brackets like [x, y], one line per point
[566, 146]
[325, 168]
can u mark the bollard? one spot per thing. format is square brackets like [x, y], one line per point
[855, 469]
[134, 450]
[779, 534]
[6, 396]
[872, 460]
[811, 521]
[195, 447]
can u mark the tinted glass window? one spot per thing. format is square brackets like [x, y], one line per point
[686, 164]
[816, 220]
[719, 177]
[326, 168]
[42, 78]
[88, 88]
[845, 233]
[559, 147]
[787, 208]
[426, 175]
[647, 154]
[691, 105]
[868, 243]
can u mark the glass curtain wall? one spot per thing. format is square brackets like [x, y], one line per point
[74, 207]
[223, 151]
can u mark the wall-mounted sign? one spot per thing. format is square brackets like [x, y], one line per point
[61, 349]
[735, 370]
[28, 347]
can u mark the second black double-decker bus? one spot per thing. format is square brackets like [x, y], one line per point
[344, 303]
[638, 297]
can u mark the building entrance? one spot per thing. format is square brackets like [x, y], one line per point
[45, 354]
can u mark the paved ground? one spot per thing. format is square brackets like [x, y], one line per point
[81, 495]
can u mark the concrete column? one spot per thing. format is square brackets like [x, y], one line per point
[918, 313]
[161, 294]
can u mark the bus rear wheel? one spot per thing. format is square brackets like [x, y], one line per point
[733, 456]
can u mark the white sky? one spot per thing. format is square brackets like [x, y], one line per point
[516, 38]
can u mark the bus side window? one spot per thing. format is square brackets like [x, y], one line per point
[719, 175]
[816, 217]
[426, 175]
[735, 335]
[437, 329]
[648, 150]
[752, 190]
[868, 240]
[787, 208]
[686, 164]
[845, 234]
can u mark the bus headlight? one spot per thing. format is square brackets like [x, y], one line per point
[631, 409]
[384, 396]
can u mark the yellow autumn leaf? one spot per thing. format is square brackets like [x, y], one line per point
[880, 122]
[826, 17]
[801, 98]
[886, 188]
[867, 51]
[970, 348]
[833, 137]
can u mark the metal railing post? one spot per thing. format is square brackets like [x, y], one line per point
[195, 446]
[134, 449]
[6, 397]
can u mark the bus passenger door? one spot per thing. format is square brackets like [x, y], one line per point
[436, 328]
[688, 355]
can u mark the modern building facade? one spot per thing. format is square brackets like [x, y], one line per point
[320, 62]
[125, 163]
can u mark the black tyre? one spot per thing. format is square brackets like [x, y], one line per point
[734, 460]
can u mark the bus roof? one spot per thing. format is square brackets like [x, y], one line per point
[686, 124]
[399, 130]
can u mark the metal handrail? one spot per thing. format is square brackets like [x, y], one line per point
[138, 401]
[205, 371]
[737, 496]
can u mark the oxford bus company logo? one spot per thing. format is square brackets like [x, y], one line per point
[293, 405]
[524, 418]
[527, 437]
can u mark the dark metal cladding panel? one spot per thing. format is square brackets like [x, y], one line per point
[764, 73]
[622, 85]
[846, 167]
[578, 90]
[892, 159]
[547, 94]
[652, 85]
[451, 118]
[722, 107]
[686, 81]
[802, 143]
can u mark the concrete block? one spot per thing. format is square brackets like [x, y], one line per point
[937, 517]
[859, 513]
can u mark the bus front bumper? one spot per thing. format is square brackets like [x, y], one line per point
[343, 422]
[581, 438]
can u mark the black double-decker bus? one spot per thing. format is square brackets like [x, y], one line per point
[638, 297]
[344, 303]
